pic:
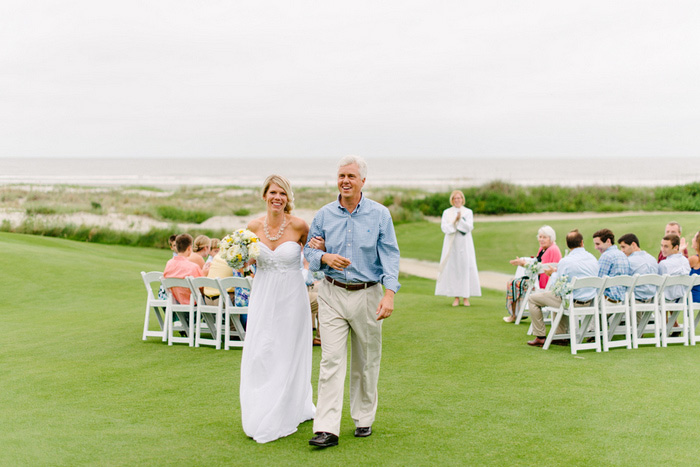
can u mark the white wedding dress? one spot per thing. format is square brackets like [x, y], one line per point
[276, 394]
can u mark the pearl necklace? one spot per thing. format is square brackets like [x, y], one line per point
[279, 234]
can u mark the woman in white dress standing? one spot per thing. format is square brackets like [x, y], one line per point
[458, 276]
[276, 394]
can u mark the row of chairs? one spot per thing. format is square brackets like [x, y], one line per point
[196, 319]
[628, 323]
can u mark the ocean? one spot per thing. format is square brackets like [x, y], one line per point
[430, 174]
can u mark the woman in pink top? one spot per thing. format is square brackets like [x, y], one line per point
[548, 253]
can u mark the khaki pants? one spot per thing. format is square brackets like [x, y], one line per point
[343, 312]
[542, 299]
[538, 301]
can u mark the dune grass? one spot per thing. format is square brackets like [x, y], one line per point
[457, 387]
[497, 242]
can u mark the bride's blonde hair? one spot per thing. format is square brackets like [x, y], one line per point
[285, 185]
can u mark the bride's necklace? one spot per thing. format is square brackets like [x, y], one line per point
[279, 233]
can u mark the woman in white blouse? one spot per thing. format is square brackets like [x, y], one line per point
[458, 276]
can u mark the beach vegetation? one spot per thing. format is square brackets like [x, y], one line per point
[175, 214]
[504, 198]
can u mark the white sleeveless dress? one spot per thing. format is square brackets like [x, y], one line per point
[276, 394]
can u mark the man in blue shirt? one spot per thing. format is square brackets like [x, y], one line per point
[612, 262]
[641, 263]
[578, 263]
[352, 241]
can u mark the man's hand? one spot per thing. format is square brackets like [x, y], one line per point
[317, 243]
[386, 305]
[683, 245]
[550, 270]
[336, 262]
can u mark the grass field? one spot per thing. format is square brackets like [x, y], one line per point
[457, 386]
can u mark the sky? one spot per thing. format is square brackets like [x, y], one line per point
[392, 79]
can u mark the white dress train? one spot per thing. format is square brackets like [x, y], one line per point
[276, 393]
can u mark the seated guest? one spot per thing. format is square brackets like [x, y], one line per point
[548, 253]
[173, 247]
[641, 263]
[612, 262]
[674, 228]
[695, 266]
[675, 264]
[200, 250]
[213, 251]
[578, 263]
[239, 296]
[180, 267]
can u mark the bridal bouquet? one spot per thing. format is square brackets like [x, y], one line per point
[239, 247]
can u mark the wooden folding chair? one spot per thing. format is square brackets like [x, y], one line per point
[644, 315]
[211, 315]
[674, 311]
[615, 317]
[184, 312]
[580, 317]
[156, 304]
[232, 313]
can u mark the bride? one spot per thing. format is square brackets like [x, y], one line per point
[276, 394]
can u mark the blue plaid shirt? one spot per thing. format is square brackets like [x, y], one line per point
[613, 262]
[366, 237]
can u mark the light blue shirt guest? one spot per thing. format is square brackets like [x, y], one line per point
[613, 262]
[642, 263]
[578, 263]
[674, 265]
[366, 237]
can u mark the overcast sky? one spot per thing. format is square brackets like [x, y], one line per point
[391, 78]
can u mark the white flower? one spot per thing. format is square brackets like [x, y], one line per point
[253, 251]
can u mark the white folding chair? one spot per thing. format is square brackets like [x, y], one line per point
[693, 313]
[644, 316]
[580, 317]
[158, 306]
[615, 317]
[534, 286]
[211, 315]
[674, 310]
[184, 312]
[232, 313]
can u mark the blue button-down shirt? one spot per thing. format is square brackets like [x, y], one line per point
[613, 262]
[642, 263]
[366, 237]
[674, 265]
[578, 263]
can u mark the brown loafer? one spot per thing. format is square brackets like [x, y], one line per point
[537, 342]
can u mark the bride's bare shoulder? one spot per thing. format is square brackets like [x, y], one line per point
[255, 224]
[298, 223]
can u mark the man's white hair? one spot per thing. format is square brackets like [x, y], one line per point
[360, 161]
[547, 231]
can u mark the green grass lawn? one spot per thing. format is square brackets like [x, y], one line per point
[458, 386]
[498, 242]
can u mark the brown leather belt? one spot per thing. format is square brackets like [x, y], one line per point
[353, 286]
